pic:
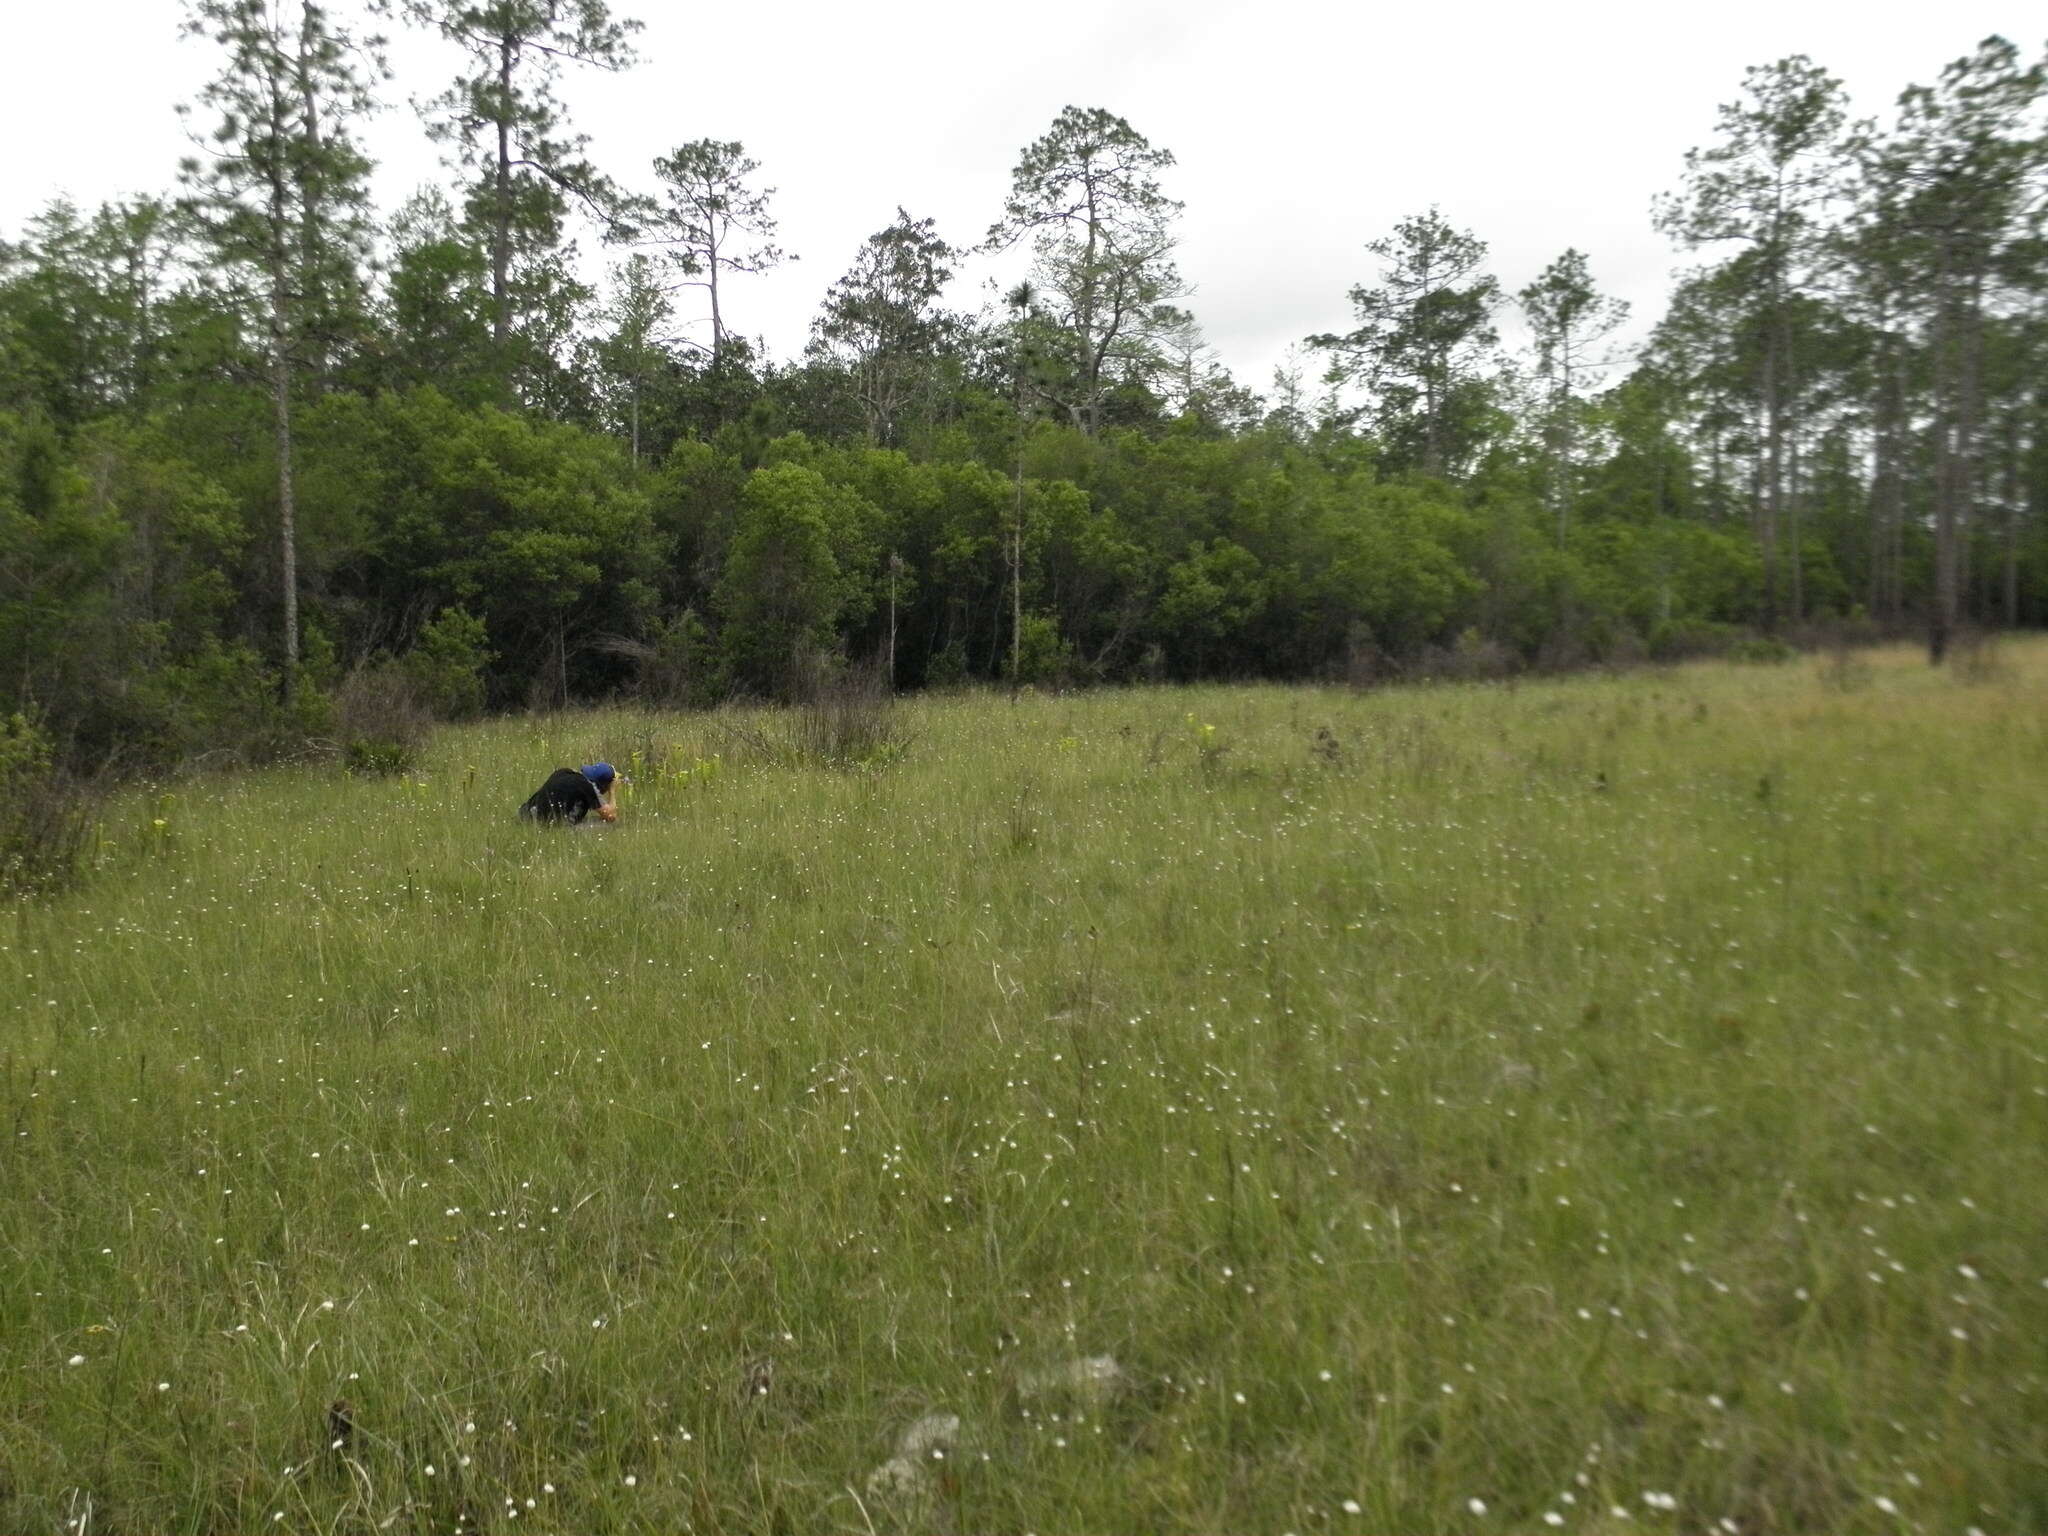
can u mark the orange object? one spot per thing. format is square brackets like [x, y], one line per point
[608, 813]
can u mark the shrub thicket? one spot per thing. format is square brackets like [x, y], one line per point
[46, 819]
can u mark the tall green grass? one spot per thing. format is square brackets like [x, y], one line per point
[1609, 1104]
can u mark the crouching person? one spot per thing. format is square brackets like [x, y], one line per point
[570, 794]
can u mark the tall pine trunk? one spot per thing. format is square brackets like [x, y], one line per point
[1773, 471]
[895, 566]
[281, 400]
[1016, 550]
[1948, 462]
[501, 216]
[281, 425]
[1969, 434]
[313, 344]
[1887, 480]
[717, 319]
[1795, 537]
[1089, 415]
[1564, 443]
[2009, 584]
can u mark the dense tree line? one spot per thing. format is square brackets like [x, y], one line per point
[258, 445]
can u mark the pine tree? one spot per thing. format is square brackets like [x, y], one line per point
[1087, 195]
[882, 324]
[714, 221]
[1767, 185]
[1958, 181]
[632, 355]
[282, 199]
[510, 129]
[1424, 341]
[1569, 321]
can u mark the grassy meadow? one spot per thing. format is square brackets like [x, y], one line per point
[1609, 1104]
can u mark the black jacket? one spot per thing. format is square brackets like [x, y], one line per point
[567, 796]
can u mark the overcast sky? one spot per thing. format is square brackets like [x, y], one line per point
[1302, 130]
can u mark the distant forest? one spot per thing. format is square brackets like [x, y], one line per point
[273, 461]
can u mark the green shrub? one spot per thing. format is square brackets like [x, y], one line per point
[1977, 657]
[46, 821]
[848, 719]
[1042, 656]
[947, 669]
[682, 669]
[446, 668]
[1761, 650]
[1471, 659]
[382, 720]
[221, 701]
[1845, 671]
[369, 759]
[1688, 639]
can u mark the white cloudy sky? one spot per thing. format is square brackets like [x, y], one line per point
[1302, 130]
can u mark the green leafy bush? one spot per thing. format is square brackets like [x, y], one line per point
[848, 719]
[1761, 650]
[682, 669]
[46, 821]
[1689, 639]
[446, 668]
[1042, 655]
[383, 721]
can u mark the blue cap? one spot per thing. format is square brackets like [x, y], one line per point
[599, 774]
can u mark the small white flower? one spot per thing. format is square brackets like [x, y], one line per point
[1353, 1507]
[632, 1481]
[1885, 1505]
[76, 1360]
[1477, 1506]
